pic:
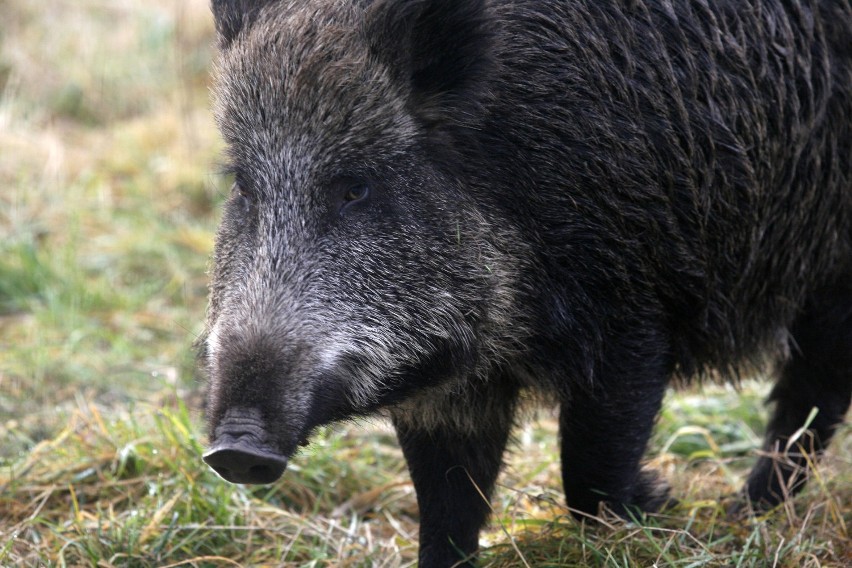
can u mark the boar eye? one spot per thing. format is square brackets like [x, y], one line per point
[241, 197]
[348, 192]
[356, 192]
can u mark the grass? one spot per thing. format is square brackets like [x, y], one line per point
[107, 213]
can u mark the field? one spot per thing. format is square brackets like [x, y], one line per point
[109, 198]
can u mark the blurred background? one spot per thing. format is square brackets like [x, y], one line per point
[107, 204]
[109, 199]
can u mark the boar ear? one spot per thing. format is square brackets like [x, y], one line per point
[232, 16]
[441, 48]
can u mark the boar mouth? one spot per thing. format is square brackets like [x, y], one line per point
[240, 462]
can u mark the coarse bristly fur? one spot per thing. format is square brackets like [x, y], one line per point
[440, 206]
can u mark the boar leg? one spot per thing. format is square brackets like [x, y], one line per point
[454, 455]
[818, 375]
[605, 430]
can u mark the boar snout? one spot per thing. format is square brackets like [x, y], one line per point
[239, 462]
[240, 453]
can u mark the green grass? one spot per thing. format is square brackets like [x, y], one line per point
[107, 212]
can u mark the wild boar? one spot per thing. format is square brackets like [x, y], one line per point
[440, 206]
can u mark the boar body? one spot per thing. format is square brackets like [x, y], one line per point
[440, 207]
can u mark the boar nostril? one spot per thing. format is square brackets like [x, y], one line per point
[239, 464]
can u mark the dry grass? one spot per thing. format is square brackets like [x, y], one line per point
[107, 211]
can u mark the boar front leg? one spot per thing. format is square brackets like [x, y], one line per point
[605, 429]
[454, 446]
